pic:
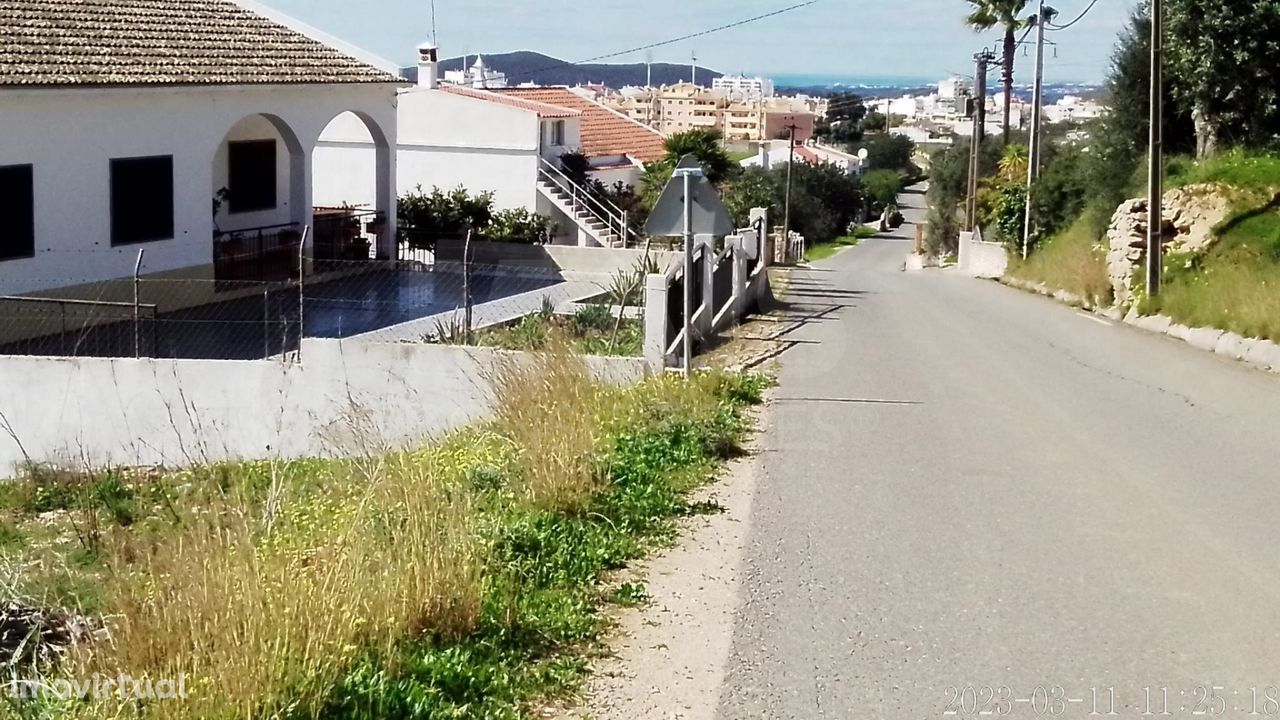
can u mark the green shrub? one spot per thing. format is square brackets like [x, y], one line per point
[519, 226]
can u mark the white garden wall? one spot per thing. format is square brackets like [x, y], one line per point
[342, 399]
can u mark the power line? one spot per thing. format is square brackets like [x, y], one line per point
[673, 41]
[1073, 22]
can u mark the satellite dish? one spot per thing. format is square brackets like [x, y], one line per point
[863, 154]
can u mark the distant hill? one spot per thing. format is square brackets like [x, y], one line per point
[525, 66]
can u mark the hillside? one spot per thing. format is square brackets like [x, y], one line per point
[527, 66]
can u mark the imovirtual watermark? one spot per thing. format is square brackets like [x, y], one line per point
[100, 687]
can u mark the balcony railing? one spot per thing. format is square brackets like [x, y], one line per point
[263, 254]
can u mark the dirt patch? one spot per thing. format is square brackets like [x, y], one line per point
[668, 658]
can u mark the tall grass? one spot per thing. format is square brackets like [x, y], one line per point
[263, 602]
[549, 406]
[437, 583]
[1235, 286]
[1071, 260]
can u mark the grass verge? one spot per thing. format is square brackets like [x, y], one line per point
[1235, 286]
[1070, 260]
[822, 251]
[461, 580]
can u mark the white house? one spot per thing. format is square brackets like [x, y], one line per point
[124, 128]
[452, 136]
[749, 88]
[478, 76]
[771, 153]
[507, 143]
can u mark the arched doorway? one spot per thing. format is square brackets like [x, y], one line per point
[259, 201]
[353, 193]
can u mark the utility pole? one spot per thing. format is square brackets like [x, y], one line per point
[1043, 16]
[786, 213]
[982, 60]
[1155, 167]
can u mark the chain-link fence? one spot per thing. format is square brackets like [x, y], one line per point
[218, 318]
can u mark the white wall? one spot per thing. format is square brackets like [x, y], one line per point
[342, 399]
[70, 136]
[445, 141]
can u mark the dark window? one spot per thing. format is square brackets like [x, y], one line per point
[17, 212]
[251, 175]
[141, 199]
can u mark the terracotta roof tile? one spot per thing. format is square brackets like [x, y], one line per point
[162, 42]
[808, 155]
[604, 132]
[543, 109]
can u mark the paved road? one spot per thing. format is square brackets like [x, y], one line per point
[965, 485]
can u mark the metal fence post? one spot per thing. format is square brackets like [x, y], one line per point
[137, 320]
[302, 272]
[466, 289]
[266, 322]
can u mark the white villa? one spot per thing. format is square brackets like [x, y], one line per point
[478, 75]
[125, 128]
[507, 143]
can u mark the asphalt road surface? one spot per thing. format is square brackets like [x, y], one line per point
[976, 502]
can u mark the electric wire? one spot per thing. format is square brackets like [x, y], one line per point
[673, 41]
[1080, 17]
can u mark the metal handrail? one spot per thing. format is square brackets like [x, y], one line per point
[614, 217]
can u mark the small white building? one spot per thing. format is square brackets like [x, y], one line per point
[741, 87]
[159, 139]
[478, 75]
[506, 143]
[774, 153]
[1072, 108]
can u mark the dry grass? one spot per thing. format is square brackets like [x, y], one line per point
[257, 599]
[264, 584]
[1070, 261]
[1235, 286]
[548, 404]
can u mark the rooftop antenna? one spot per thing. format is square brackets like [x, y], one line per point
[435, 39]
[693, 68]
[648, 69]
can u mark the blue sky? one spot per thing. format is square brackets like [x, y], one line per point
[876, 38]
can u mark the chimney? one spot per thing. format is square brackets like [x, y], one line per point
[428, 66]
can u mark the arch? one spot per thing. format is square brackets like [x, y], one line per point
[354, 165]
[256, 224]
[291, 185]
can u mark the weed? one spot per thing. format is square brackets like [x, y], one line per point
[629, 595]
[1071, 260]
[454, 581]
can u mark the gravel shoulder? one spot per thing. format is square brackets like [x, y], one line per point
[668, 657]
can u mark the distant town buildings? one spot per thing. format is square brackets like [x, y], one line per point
[737, 114]
[946, 112]
[1071, 109]
[478, 76]
[747, 88]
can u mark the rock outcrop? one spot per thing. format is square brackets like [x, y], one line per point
[1190, 215]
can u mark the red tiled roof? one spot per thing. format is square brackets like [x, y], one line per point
[604, 132]
[162, 42]
[543, 109]
[808, 155]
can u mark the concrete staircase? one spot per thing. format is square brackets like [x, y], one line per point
[597, 219]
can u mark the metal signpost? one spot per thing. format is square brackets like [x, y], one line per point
[689, 205]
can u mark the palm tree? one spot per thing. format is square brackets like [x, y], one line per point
[986, 14]
[704, 144]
